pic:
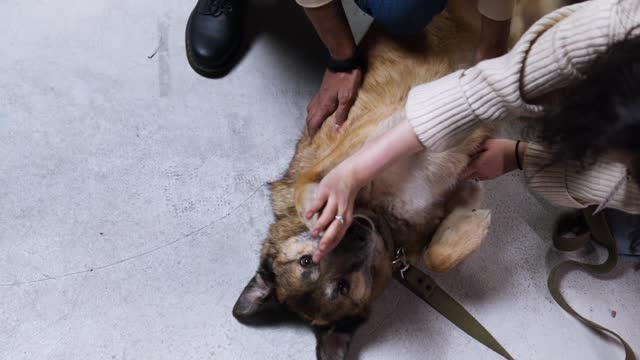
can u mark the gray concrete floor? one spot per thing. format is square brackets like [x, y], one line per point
[133, 205]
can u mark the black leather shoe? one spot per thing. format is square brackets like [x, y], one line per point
[214, 36]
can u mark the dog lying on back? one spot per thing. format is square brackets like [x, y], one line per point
[417, 204]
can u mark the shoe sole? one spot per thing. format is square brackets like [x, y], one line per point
[213, 72]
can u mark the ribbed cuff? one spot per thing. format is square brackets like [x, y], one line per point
[312, 3]
[438, 111]
[550, 181]
[603, 182]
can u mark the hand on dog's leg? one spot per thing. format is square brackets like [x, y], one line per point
[457, 237]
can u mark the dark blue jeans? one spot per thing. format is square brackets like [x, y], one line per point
[402, 16]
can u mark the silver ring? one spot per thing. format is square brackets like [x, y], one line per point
[340, 218]
[336, 126]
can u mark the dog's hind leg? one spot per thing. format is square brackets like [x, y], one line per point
[462, 231]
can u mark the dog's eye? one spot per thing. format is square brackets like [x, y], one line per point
[343, 287]
[306, 261]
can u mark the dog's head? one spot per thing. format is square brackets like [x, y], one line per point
[335, 295]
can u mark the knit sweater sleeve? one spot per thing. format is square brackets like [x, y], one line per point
[551, 54]
[572, 185]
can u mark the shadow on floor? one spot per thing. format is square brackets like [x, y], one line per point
[286, 24]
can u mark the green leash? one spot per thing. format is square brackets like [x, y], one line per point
[428, 290]
[600, 233]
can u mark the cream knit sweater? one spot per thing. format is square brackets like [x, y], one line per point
[550, 55]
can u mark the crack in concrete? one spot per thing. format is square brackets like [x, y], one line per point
[156, 50]
[138, 255]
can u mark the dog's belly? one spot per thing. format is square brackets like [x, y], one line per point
[412, 187]
[404, 191]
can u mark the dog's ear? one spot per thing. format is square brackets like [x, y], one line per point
[333, 341]
[257, 295]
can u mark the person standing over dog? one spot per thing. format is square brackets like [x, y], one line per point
[590, 144]
[214, 37]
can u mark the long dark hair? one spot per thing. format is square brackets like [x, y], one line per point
[601, 112]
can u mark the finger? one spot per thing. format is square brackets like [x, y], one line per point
[320, 116]
[348, 220]
[311, 110]
[336, 231]
[312, 104]
[318, 203]
[342, 112]
[478, 153]
[329, 241]
[469, 173]
[328, 214]
[312, 123]
[327, 108]
[314, 114]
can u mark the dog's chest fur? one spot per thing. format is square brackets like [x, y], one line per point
[411, 195]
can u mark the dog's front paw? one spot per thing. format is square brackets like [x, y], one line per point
[304, 197]
[457, 237]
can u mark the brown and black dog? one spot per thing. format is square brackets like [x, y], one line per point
[417, 204]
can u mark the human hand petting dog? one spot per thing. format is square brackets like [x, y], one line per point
[335, 197]
[337, 94]
[336, 193]
[496, 158]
